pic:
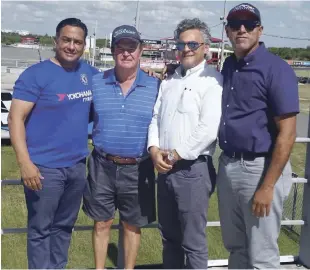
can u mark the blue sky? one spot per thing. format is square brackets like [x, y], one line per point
[158, 19]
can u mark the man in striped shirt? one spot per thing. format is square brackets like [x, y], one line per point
[121, 174]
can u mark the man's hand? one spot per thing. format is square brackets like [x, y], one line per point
[158, 157]
[150, 72]
[31, 176]
[176, 158]
[262, 201]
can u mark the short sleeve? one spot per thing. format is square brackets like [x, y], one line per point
[26, 87]
[94, 70]
[283, 95]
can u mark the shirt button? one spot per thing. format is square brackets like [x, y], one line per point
[225, 141]
[227, 105]
[232, 88]
[247, 64]
[123, 106]
[237, 70]
[224, 123]
[120, 94]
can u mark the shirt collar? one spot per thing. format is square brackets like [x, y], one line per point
[110, 78]
[191, 70]
[256, 54]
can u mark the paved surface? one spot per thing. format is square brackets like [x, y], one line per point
[302, 125]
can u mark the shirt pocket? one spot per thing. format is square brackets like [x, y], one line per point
[188, 102]
[244, 86]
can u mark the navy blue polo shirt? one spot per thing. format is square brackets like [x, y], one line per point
[255, 90]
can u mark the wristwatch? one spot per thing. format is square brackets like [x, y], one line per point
[171, 157]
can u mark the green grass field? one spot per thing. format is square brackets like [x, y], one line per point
[14, 215]
[81, 254]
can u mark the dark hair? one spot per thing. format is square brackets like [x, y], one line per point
[71, 22]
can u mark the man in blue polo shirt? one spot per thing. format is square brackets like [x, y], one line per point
[48, 124]
[121, 173]
[257, 132]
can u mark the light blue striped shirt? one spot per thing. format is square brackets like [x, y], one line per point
[121, 122]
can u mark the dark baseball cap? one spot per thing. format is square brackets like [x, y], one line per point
[243, 8]
[125, 31]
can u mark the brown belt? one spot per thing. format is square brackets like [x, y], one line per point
[121, 160]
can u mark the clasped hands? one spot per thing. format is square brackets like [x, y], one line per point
[161, 161]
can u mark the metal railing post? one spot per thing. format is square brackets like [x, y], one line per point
[304, 244]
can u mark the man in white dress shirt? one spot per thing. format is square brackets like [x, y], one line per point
[182, 139]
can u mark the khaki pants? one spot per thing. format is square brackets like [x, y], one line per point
[251, 241]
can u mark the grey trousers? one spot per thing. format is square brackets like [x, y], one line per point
[251, 241]
[183, 196]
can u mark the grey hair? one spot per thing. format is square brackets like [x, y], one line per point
[188, 24]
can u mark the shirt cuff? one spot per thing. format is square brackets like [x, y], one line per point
[152, 142]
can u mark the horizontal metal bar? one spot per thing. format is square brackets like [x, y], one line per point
[295, 222]
[300, 180]
[11, 182]
[302, 140]
[18, 182]
[149, 226]
[283, 259]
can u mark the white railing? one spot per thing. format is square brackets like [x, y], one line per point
[18, 63]
[304, 245]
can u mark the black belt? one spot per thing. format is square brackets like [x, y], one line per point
[246, 155]
[185, 163]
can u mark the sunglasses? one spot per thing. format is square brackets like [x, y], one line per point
[129, 47]
[192, 45]
[249, 25]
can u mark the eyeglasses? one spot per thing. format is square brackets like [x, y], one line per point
[249, 25]
[192, 45]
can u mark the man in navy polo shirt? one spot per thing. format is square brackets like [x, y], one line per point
[48, 124]
[121, 173]
[257, 132]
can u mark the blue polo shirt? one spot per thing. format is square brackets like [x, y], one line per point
[121, 122]
[255, 90]
[57, 127]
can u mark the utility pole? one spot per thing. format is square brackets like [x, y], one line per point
[221, 62]
[94, 44]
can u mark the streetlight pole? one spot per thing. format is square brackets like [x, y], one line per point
[94, 46]
[137, 21]
[221, 62]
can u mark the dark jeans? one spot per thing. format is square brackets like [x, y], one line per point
[52, 213]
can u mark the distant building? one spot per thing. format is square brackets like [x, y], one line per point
[29, 40]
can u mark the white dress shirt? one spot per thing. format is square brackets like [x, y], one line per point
[187, 112]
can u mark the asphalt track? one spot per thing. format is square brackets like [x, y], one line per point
[302, 125]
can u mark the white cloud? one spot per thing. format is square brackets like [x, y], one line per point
[279, 3]
[282, 24]
[22, 7]
[40, 13]
[157, 18]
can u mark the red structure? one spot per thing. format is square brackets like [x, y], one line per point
[29, 40]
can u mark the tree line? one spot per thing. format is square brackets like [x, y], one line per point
[46, 40]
